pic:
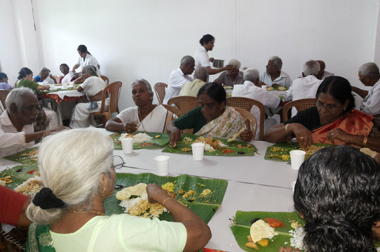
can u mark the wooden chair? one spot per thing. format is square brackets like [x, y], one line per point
[159, 88]
[105, 78]
[251, 120]
[178, 113]
[247, 104]
[184, 103]
[3, 96]
[113, 90]
[300, 105]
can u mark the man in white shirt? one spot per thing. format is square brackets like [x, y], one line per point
[322, 73]
[179, 77]
[369, 75]
[273, 75]
[250, 90]
[305, 86]
[68, 76]
[16, 123]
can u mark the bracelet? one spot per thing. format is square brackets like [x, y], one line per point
[163, 202]
[286, 127]
[365, 140]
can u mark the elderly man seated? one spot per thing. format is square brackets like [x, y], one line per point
[251, 90]
[179, 77]
[44, 77]
[145, 116]
[369, 75]
[232, 76]
[192, 88]
[322, 73]
[16, 123]
[273, 75]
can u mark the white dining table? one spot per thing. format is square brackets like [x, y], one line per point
[254, 184]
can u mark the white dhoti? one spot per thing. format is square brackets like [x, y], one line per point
[52, 120]
[81, 114]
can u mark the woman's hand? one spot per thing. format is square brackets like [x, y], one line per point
[211, 59]
[303, 135]
[156, 194]
[130, 127]
[287, 249]
[246, 135]
[175, 136]
[337, 134]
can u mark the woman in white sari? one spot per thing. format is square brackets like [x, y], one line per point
[145, 116]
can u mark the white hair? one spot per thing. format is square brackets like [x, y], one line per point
[187, 60]
[369, 69]
[70, 164]
[90, 69]
[147, 84]
[311, 67]
[251, 75]
[235, 63]
[201, 73]
[277, 62]
[16, 96]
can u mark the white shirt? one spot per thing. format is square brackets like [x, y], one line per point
[176, 80]
[48, 80]
[93, 85]
[12, 141]
[302, 88]
[201, 58]
[250, 90]
[67, 78]
[282, 80]
[89, 60]
[371, 103]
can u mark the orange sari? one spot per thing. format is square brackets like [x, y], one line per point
[354, 123]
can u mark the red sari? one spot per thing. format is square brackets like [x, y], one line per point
[353, 122]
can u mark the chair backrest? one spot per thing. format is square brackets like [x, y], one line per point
[3, 96]
[300, 105]
[252, 123]
[247, 104]
[184, 103]
[105, 78]
[159, 89]
[113, 90]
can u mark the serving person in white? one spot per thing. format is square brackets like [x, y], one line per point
[85, 59]
[145, 116]
[179, 77]
[369, 75]
[92, 87]
[250, 90]
[273, 76]
[305, 86]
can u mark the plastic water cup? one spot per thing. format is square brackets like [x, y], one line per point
[71, 84]
[264, 87]
[64, 85]
[127, 145]
[198, 150]
[296, 158]
[162, 163]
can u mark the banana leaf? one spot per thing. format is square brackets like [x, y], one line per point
[280, 151]
[242, 225]
[239, 148]
[205, 207]
[159, 140]
[19, 174]
[276, 88]
[23, 158]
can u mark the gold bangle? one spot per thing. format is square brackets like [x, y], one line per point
[365, 140]
[286, 127]
[163, 202]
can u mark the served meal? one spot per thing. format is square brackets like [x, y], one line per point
[142, 140]
[281, 151]
[30, 187]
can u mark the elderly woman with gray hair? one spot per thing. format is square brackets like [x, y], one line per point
[145, 116]
[92, 87]
[232, 76]
[68, 213]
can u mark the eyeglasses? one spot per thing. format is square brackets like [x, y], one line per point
[118, 162]
[329, 107]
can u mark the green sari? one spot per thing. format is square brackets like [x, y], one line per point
[39, 239]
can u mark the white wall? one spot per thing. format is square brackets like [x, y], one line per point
[147, 38]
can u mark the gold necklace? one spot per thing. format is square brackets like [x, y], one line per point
[86, 212]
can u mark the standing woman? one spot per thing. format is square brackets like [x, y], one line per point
[201, 55]
[86, 59]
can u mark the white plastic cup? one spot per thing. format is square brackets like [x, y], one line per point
[198, 150]
[64, 85]
[162, 163]
[71, 84]
[296, 158]
[264, 87]
[127, 145]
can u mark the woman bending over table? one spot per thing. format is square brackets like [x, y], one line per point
[145, 116]
[337, 193]
[92, 87]
[213, 118]
[332, 121]
[68, 214]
